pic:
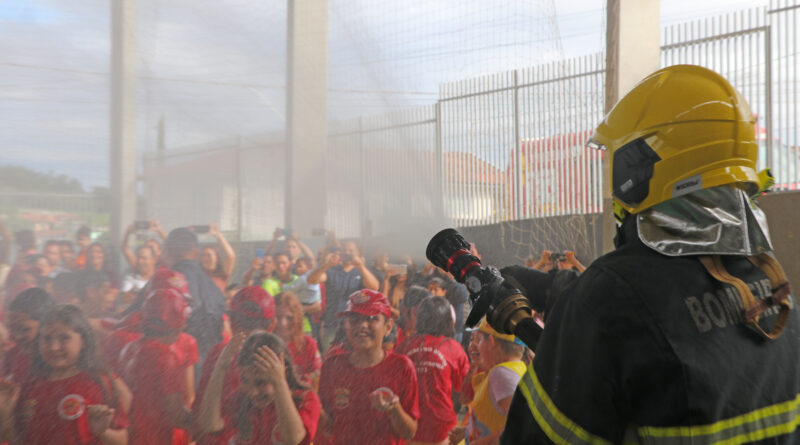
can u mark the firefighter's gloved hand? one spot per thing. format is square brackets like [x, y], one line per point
[533, 284]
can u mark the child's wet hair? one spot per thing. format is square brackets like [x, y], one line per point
[247, 357]
[72, 317]
[35, 302]
[415, 295]
[434, 317]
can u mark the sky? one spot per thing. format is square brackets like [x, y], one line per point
[216, 70]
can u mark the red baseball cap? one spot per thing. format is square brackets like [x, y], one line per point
[367, 302]
[165, 278]
[165, 310]
[253, 302]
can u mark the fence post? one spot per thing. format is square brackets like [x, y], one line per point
[239, 199]
[517, 154]
[768, 93]
[362, 178]
[439, 161]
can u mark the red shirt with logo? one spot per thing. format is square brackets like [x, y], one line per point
[441, 365]
[153, 371]
[306, 360]
[54, 411]
[17, 364]
[344, 391]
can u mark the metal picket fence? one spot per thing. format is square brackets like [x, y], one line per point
[756, 50]
[503, 147]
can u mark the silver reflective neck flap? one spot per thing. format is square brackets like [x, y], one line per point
[715, 221]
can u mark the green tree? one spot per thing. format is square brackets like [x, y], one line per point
[14, 178]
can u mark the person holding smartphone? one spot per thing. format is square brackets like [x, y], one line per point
[292, 246]
[217, 262]
[343, 272]
[149, 225]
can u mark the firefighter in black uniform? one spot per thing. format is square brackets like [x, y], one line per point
[684, 334]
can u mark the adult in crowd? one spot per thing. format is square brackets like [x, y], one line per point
[380, 268]
[96, 259]
[260, 270]
[135, 280]
[310, 295]
[218, 264]
[43, 271]
[396, 282]
[553, 261]
[293, 246]
[52, 251]
[343, 273]
[283, 274]
[208, 301]
[150, 225]
[22, 271]
[67, 254]
[83, 237]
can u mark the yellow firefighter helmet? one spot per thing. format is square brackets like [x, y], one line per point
[681, 129]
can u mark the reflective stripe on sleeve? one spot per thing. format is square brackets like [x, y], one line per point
[557, 427]
[763, 423]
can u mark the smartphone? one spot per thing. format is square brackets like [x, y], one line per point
[260, 253]
[201, 229]
[286, 232]
[317, 232]
[399, 269]
[141, 225]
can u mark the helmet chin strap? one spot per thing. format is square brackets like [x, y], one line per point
[753, 309]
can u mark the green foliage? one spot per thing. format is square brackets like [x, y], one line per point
[21, 179]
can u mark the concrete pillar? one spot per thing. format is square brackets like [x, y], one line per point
[633, 50]
[306, 114]
[123, 116]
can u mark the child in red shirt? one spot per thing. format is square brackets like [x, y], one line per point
[252, 309]
[441, 365]
[271, 406]
[155, 372]
[69, 399]
[369, 395]
[129, 330]
[25, 313]
[303, 349]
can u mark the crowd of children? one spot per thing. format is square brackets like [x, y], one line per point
[86, 363]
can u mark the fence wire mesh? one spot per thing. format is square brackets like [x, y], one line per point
[498, 148]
